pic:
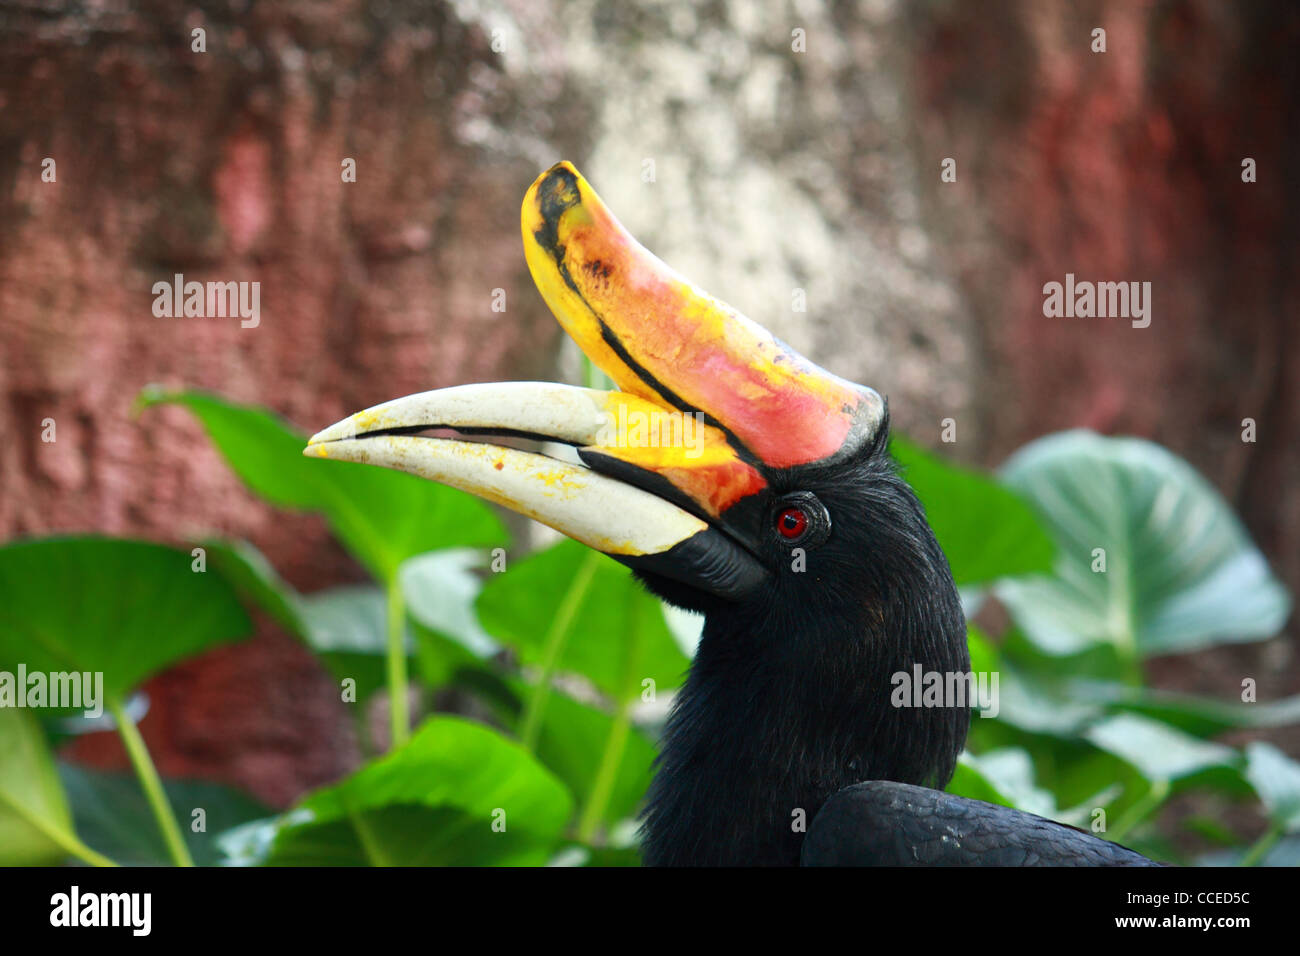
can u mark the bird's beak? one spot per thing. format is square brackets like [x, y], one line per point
[677, 462]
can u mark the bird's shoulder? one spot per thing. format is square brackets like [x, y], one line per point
[882, 823]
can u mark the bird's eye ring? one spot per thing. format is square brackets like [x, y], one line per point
[800, 519]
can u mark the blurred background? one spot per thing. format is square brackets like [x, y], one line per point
[759, 147]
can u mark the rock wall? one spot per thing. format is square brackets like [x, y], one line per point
[771, 151]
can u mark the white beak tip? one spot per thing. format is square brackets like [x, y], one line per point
[347, 428]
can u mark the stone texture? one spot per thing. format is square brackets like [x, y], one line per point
[774, 171]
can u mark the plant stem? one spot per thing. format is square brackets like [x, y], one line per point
[371, 847]
[82, 852]
[611, 759]
[607, 773]
[1141, 809]
[1260, 848]
[64, 840]
[399, 710]
[150, 783]
[531, 725]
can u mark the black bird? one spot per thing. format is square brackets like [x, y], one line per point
[739, 480]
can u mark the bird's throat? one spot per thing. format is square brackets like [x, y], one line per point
[765, 731]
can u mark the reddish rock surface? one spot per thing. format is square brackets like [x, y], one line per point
[226, 165]
[221, 166]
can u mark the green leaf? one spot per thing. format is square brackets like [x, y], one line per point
[346, 627]
[1030, 702]
[1199, 716]
[33, 809]
[406, 835]
[1157, 750]
[572, 740]
[581, 855]
[986, 531]
[1008, 773]
[1285, 853]
[382, 516]
[518, 606]
[126, 609]
[1180, 572]
[1276, 778]
[257, 582]
[434, 801]
[113, 816]
[967, 781]
[984, 656]
[440, 589]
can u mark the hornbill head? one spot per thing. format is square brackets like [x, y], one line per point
[736, 478]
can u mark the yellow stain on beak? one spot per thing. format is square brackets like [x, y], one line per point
[601, 512]
[690, 454]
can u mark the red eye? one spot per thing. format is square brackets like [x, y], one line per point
[791, 522]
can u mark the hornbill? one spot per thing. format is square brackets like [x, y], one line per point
[772, 507]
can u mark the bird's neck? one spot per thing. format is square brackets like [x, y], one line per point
[768, 726]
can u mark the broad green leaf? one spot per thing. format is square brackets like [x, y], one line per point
[1036, 704]
[1094, 662]
[1080, 775]
[572, 742]
[33, 808]
[1285, 853]
[248, 844]
[123, 609]
[382, 516]
[407, 835]
[968, 781]
[1157, 750]
[435, 800]
[113, 816]
[1009, 773]
[1276, 778]
[986, 531]
[523, 608]
[440, 589]
[580, 855]
[984, 657]
[1198, 716]
[257, 581]
[1211, 828]
[1180, 572]
[346, 626]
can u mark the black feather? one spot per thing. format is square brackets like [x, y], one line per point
[893, 824]
[788, 699]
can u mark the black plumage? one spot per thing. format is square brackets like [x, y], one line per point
[788, 701]
[896, 823]
[786, 525]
